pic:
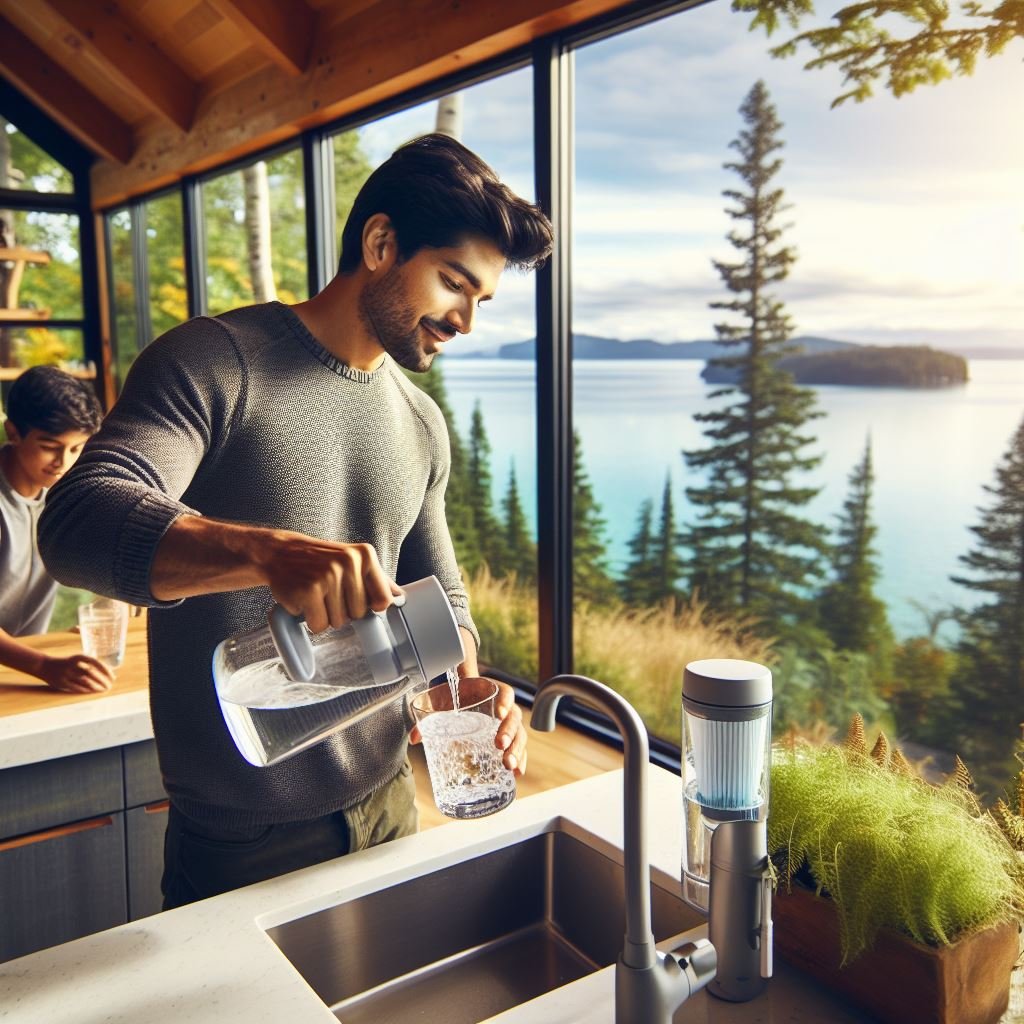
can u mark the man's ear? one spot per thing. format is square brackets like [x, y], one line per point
[380, 248]
[12, 432]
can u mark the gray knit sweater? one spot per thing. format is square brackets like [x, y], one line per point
[246, 417]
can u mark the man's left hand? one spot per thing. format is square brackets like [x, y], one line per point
[511, 735]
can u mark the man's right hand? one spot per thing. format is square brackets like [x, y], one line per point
[76, 674]
[326, 582]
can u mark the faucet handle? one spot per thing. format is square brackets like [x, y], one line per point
[767, 927]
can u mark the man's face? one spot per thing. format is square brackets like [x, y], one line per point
[42, 458]
[414, 307]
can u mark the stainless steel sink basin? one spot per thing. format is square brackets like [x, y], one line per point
[470, 941]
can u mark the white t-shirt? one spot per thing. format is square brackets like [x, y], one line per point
[27, 591]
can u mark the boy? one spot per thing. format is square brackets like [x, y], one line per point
[50, 416]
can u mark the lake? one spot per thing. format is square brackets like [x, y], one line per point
[933, 452]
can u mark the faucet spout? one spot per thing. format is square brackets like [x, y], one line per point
[649, 985]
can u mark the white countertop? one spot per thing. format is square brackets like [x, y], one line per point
[63, 729]
[213, 961]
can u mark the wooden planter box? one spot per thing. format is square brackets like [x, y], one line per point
[899, 980]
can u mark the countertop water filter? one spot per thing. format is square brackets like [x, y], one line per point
[726, 766]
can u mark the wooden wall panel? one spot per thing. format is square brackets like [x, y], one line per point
[377, 53]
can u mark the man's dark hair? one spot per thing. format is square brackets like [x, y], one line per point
[435, 192]
[48, 399]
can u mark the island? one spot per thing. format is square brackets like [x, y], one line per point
[898, 366]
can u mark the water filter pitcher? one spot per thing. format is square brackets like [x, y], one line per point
[726, 769]
[282, 689]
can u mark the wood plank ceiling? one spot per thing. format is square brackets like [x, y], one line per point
[161, 88]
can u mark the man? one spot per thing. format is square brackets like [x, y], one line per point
[278, 453]
[50, 416]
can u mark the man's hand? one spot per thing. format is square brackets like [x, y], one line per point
[76, 674]
[511, 735]
[326, 582]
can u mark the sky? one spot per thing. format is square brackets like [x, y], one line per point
[907, 215]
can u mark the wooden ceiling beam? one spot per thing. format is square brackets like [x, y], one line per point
[50, 87]
[363, 60]
[129, 59]
[283, 32]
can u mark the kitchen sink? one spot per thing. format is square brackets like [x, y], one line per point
[469, 941]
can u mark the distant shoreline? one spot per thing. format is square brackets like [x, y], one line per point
[592, 347]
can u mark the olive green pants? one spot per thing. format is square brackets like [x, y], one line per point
[202, 861]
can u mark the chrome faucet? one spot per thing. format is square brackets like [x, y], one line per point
[649, 985]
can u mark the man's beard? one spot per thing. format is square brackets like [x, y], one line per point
[387, 315]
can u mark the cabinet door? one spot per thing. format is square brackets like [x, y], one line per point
[143, 783]
[146, 827]
[61, 884]
[45, 795]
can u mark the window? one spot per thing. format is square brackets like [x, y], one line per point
[888, 253]
[40, 261]
[485, 382]
[255, 234]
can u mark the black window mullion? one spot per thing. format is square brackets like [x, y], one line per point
[316, 169]
[553, 161]
[195, 245]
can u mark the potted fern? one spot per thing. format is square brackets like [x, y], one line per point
[904, 896]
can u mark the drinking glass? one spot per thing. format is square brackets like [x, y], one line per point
[467, 775]
[103, 624]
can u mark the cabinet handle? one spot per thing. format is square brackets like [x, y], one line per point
[55, 833]
[158, 808]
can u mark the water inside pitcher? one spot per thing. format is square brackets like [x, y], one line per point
[281, 689]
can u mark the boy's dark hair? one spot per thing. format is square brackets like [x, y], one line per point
[48, 399]
[435, 191]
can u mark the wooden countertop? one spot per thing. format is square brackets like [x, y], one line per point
[20, 693]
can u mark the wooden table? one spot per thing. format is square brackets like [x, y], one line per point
[20, 693]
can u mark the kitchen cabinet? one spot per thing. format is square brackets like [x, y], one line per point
[81, 845]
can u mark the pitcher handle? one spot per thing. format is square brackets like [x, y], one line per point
[293, 644]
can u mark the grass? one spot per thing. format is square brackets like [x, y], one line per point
[640, 653]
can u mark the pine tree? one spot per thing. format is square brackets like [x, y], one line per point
[636, 585]
[590, 575]
[850, 612]
[485, 523]
[751, 552]
[990, 685]
[458, 506]
[520, 550]
[668, 565]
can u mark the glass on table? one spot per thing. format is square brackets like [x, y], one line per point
[103, 625]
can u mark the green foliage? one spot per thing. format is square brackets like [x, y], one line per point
[65, 608]
[749, 549]
[859, 40]
[854, 618]
[520, 552]
[351, 169]
[919, 691]
[991, 647]
[485, 523]
[890, 851]
[654, 567]
[637, 585]
[591, 577]
[816, 684]
[37, 171]
[458, 504]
